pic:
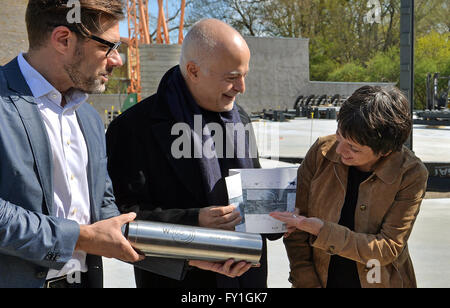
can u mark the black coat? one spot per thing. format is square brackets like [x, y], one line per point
[148, 180]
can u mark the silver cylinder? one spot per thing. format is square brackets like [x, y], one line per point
[193, 243]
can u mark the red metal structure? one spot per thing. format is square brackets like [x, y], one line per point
[139, 33]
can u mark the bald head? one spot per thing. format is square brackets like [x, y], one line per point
[214, 63]
[209, 40]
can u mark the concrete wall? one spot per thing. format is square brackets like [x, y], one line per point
[279, 69]
[343, 88]
[279, 73]
[156, 60]
[13, 32]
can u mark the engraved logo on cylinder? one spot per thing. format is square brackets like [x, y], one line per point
[183, 235]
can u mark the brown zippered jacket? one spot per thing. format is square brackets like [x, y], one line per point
[387, 207]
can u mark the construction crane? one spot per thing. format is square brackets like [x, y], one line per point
[139, 34]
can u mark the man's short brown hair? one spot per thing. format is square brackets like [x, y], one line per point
[376, 117]
[43, 15]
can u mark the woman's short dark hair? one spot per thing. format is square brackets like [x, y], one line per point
[42, 16]
[376, 117]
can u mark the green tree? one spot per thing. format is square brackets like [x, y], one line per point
[344, 45]
[351, 72]
[384, 66]
[432, 55]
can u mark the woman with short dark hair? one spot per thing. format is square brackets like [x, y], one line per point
[358, 196]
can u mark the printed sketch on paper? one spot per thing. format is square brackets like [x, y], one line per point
[258, 192]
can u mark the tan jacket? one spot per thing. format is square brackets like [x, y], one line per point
[387, 207]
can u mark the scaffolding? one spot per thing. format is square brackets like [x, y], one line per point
[139, 33]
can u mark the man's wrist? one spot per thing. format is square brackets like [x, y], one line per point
[84, 237]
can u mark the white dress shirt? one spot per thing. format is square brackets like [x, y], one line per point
[70, 156]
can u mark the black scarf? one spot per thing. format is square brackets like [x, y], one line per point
[183, 108]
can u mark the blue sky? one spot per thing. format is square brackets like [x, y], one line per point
[153, 12]
[123, 26]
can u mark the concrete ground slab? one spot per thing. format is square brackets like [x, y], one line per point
[117, 274]
[294, 138]
[429, 244]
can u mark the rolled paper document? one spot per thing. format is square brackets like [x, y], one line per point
[193, 243]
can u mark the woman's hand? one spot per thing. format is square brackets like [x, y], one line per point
[295, 221]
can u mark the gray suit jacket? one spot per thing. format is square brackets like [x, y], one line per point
[32, 240]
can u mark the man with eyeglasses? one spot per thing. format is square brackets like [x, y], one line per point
[106, 58]
[57, 209]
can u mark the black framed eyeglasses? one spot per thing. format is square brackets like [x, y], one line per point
[112, 46]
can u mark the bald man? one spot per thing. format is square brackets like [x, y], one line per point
[168, 156]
